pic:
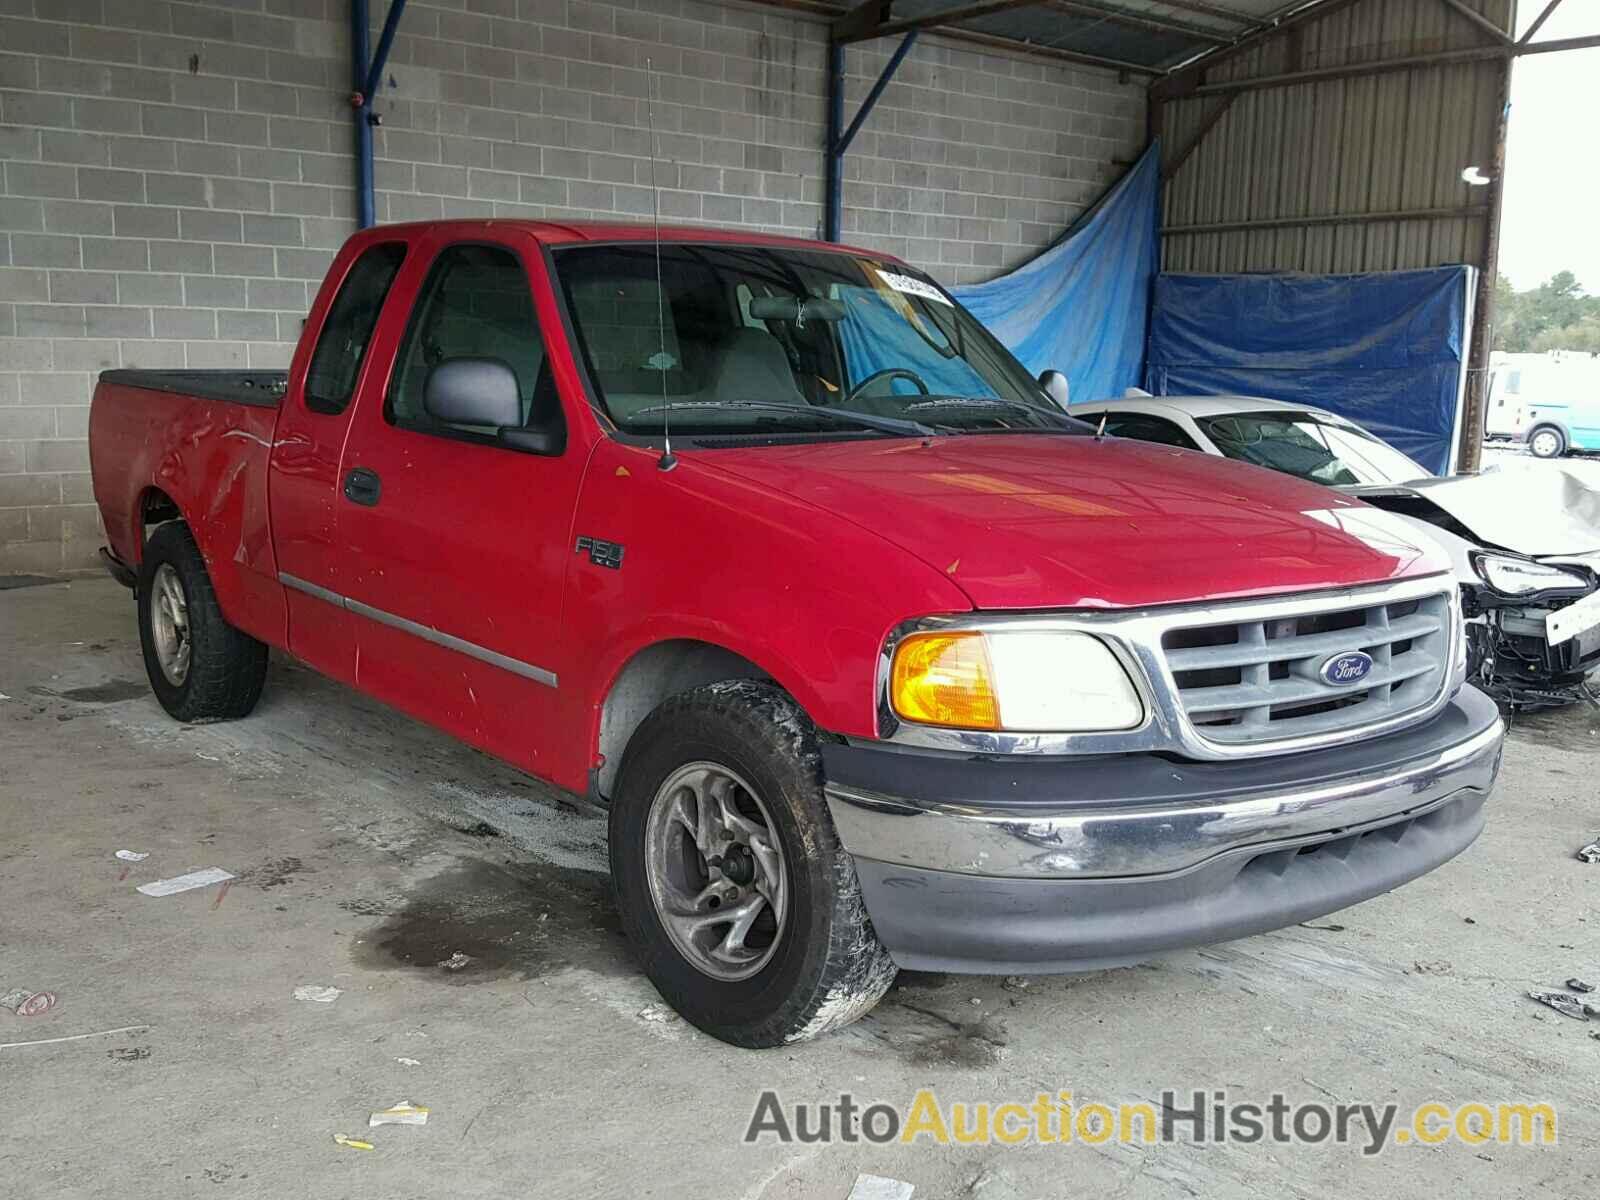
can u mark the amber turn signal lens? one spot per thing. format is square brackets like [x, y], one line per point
[944, 679]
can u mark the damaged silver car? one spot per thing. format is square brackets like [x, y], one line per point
[1525, 544]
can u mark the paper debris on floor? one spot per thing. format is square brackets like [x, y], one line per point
[1567, 1006]
[352, 1143]
[879, 1187]
[26, 1003]
[319, 995]
[657, 1013]
[74, 1037]
[131, 856]
[456, 961]
[1590, 853]
[185, 883]
[403, 1113]
[408, 1062]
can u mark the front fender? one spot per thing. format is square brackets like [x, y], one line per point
[806, 597]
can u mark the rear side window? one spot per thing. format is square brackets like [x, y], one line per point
[475, 304]
[336, 362]
[1146, 428]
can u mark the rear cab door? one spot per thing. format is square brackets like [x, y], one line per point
[334, 363]
[456, 542]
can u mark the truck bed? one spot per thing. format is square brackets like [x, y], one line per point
[197, 443]
[261, 389]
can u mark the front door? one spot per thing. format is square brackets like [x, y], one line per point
[457, 537]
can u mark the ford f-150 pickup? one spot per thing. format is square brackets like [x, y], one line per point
[878, 658]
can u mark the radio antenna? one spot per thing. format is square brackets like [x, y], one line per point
[667, 460]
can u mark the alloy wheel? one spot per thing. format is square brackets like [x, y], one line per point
[716, 870]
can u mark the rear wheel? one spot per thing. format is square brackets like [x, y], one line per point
[200, 667]
[1546, 441]
[730, 878]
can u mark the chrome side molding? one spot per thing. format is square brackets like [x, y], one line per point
[426, 632]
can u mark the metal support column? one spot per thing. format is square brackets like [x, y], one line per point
[833, 193]
[838, 138]
[1474, 419]
[367, 78]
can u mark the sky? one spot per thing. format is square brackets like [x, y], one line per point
[1552, 183]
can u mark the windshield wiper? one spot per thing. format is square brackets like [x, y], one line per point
[864, 420]
[1064, 421]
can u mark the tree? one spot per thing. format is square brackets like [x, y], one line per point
[1556, 315]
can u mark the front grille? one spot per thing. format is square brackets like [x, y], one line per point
[1244, 682]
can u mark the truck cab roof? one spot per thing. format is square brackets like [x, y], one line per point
[566, 233]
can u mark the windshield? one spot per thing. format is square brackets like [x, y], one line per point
[754, 339]
[1310, 446]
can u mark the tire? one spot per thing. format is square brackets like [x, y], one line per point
[1547, 441]
[220, 675]
[824, 966]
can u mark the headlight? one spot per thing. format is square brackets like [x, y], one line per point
[1012, 680]
[1523, 577]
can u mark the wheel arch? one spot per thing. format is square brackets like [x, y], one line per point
[153, 507]
[1554, 423]
[649, 676]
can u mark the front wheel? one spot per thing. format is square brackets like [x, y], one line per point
[1547, 442]
[201, 668]
[730, 877]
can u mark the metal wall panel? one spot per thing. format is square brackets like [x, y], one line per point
[1282, 157]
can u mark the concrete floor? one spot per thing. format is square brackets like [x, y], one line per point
[368, 848]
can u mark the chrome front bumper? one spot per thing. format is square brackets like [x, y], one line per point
[1098, 839]
[1074, 865]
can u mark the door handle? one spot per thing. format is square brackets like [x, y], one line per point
[362, 486]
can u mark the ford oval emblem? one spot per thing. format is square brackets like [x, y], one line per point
[1342, 670]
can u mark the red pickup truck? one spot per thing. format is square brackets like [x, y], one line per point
[878, 657]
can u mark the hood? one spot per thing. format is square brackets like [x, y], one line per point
[1045, 521]
[1540, 512]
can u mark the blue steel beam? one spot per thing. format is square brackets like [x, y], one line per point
[362, 111]
[367, 79]
[839, 139]
[385, 40]
[833, 195]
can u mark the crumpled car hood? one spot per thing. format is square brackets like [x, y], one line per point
[1540, 513]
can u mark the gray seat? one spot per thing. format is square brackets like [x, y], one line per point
[752, 365]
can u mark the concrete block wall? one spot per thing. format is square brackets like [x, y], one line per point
[175, 176]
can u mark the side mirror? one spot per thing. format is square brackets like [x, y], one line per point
[534, 441]
[1054, 384]
[473, 391]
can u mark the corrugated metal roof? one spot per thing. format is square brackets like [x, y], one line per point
[1148, 35]
[1353, 174]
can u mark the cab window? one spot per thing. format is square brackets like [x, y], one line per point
[475, 304]
[347, 332]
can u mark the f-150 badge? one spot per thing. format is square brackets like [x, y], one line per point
[601, 553]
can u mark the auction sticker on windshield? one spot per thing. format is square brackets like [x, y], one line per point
[911, 287]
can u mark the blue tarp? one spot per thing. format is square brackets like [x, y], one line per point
[1082, 307]
[1384, 350]
[873, 335]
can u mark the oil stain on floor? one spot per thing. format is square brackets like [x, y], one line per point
[1575, 727]
[492, 922]
[923, 1032]
[110, 692]
[275, 873]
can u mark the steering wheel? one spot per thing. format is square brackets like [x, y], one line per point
[887, 373]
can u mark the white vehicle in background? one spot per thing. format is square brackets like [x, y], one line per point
[1550, 401]
[1525, 544]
